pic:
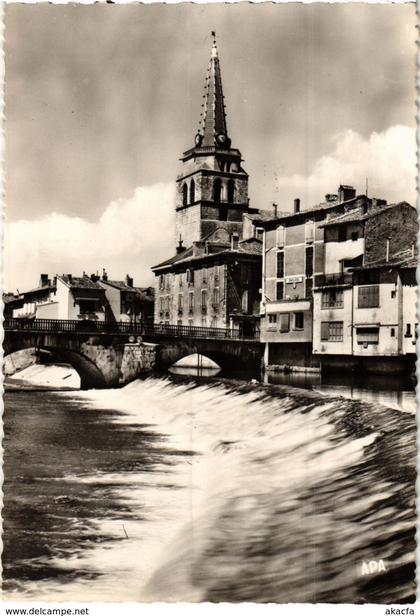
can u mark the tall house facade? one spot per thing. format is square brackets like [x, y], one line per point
[212, 188]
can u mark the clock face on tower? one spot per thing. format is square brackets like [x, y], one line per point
[221, 138]
[198, 139]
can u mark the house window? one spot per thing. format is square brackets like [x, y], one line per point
[231, 191]
[204, 301]
[284, 322]
[393, 293]
[354, 236]
[392, 332]
[272, 319]
[309, 261]
[368, 297]
[280, 232]
[279, 291]
[342, 233]
[259, 233]
[332, 331]
[184, 194]
[298, 320]
[408, 330]
[213, 322]
[179, 322]
[216, 297]
[203, 321]
[245, 302]
[309, 285]
[204, 276]
[192, 191]
[367, 335]
[180, 301]
[333, 298]
[190, 276]
[191, 301]
[190, 322]
[161, 281]
[280, 264]
[87, 306]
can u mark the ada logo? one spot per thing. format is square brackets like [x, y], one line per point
[373, 566]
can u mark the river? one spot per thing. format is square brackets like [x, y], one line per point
[181, 489]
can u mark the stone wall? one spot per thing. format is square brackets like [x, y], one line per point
[400, 224]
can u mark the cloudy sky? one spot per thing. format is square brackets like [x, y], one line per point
[101, 101]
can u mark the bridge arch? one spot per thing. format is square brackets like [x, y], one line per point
[90, 375]
[228, 355]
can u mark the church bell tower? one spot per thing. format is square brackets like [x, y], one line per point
[212, 188]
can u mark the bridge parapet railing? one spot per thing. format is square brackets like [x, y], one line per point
[120, 327]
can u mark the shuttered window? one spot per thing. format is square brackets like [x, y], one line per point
[368, 297]
[367, 335]
[332, 331]
[280, 290]
[280, 264]
[309, 261]
[285, 322]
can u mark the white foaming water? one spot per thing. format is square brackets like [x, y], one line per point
[248, 447]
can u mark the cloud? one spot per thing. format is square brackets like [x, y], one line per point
[131, 235]
[387, 159]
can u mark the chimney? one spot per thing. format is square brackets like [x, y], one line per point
[180, 248]
[296, 206]
[94, 277]
[70, 278]
[234, 241]
[275, 206]
[104, 275]
[128, 281]
[345, 193]
[44, 280]
[55, 280]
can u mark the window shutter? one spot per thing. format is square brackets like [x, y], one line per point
[325, 327]
[285, 322]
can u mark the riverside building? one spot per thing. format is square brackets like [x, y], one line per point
[318, 308]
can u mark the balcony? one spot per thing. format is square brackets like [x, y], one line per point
[333, 280]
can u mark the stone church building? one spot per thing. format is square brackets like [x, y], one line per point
[214, 277]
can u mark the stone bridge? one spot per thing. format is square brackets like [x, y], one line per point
[113, 354]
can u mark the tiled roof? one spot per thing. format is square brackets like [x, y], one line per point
[47, 287]
[358, 215]
[264, 215]
[83, 282]
[176, 258]
[119, 284]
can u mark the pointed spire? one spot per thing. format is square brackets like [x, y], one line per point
[213, 130]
